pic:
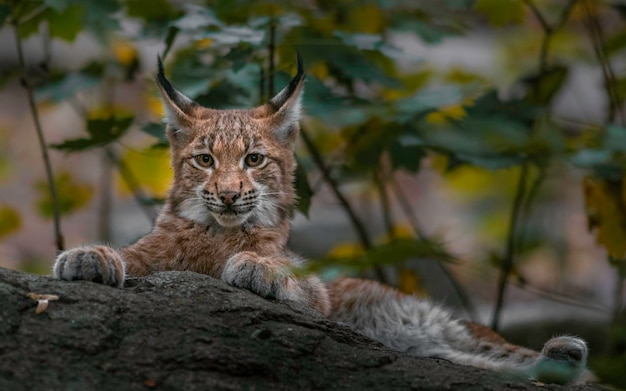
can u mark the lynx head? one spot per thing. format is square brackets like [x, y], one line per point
[233, 167]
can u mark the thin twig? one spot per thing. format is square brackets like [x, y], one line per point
[56, 215]
[411, 217]
[618, 301]
[547, 29]
[354, 219]
[262, 97]
[106, 200]
[384, 201]
[508, 260]
[529, 200]
[272, 55]
[523, 199]
[610, 82]
[560, 298]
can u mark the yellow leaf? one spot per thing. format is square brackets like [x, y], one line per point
[409, 282]
[105, 112]
[124, 52]
[319, 70]
[399, 232]
[346, 250]
[367, 18]
[10, 220]
[471, 182]
[152, 169]
[446, 113]
[204, 43]
[71, 195]
[155, 106]
[606, 214]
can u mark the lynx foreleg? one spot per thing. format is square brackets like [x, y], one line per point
[272, 277]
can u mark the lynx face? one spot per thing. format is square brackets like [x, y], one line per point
[233, 167]
[233, 172]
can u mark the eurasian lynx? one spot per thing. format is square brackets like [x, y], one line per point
[228, 215]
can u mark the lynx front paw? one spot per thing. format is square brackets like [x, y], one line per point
[563, 360]
[267, 277]
[99, 264]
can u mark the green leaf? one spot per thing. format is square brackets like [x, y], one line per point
[589, 158]
[5, 11]
[501, 12]
[615, 138]
[615, 43]
[374, 42]
[66, 25]
[460, 5]
[543, 87]
[101, 16]
[151, 10]
[367, 142]
[303, 189]
[10, 220]
[71, 195]
[197, 18]
[102, 132]
[172, 32]
[405, 110]
[240, 56]
[424, 26]
[63, 86]
[334, 110]
[344, 61]
[157, 130]
[406, 155]
[108, 129]
[58, 5]
[228, 36]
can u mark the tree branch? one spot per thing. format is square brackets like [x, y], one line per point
[354, 219]
[547, 29]
[610, 82]
[523, 199]
[508, 260]
[56, 214]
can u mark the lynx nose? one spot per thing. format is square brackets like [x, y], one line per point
[229, 197]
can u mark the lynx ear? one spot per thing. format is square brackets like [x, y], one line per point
[178, 107]
[285, 108]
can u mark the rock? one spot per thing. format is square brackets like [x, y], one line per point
[186, 331]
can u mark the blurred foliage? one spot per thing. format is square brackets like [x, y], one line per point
[144, 164]
[71, 195]
[10, 220]
[375, 107]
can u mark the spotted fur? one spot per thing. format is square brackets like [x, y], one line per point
[228, 215]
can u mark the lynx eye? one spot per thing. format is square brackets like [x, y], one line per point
[204, 160]
[254, 159]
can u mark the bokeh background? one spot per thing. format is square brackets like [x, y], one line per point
[471, 151]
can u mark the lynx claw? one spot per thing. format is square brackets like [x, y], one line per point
[99, 264]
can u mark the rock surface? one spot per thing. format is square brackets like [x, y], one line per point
[186, 331]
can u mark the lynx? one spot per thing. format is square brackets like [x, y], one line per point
[228, 215]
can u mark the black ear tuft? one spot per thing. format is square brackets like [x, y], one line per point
[299, 75]
[286, 93]
[165, 84]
